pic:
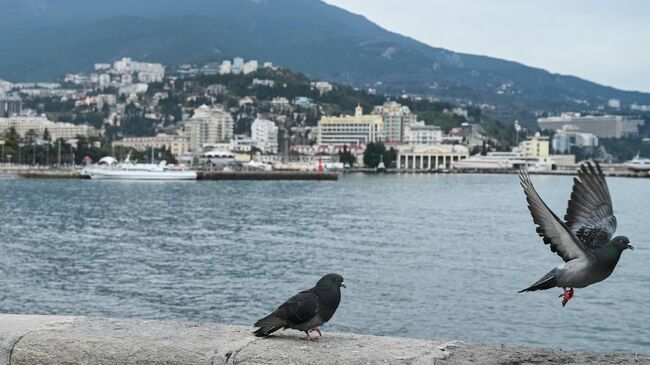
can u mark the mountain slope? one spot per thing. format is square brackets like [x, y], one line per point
[47, 38]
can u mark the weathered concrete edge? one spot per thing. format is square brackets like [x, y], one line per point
[14, 327]
[26, 340]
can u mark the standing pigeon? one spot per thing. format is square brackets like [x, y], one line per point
[307, 310]
[584, 241]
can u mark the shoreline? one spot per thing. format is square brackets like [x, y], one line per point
[310, 175]
[31, 339]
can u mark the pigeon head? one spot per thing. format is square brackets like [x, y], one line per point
[622, 243]
[331, 281]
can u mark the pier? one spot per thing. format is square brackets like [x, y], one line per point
[267, 175]
[31, 340]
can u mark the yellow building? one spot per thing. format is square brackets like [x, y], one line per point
[177, 145]
[350, 130]
[536, 146]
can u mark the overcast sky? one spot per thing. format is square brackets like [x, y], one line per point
[605, 41]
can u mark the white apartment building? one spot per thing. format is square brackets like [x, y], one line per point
[605, 126]
[353, 130]
[569, 137]
[225, 68]
[40, 124]
[395, 117]
[323, 87]
[250, 67]
[10, 105]
[178, 145]
[418, 133]
[208, 126]
[133, 89]
[265, 134]
[237, 65]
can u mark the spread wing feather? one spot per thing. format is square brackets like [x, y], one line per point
[553, 231]
[590, 215]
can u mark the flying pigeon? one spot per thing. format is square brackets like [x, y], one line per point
[307, 310]
[584, 240]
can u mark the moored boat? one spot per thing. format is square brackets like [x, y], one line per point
[109, 169]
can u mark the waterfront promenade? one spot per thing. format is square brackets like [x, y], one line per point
[28, 340]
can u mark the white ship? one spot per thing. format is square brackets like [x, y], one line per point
[109, 169]
[638, 164]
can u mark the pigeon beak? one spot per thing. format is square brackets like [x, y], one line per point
[343, 285]
[630, 247]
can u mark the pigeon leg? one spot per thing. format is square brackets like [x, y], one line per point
[568, 295]
[317, 330]
[309, 338]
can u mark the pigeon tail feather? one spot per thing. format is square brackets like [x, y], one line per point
[547, 282]
[265, 331]
[272, 320]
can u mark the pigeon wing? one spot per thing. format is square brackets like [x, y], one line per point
[300, 308]
[590, 215]
[553, 231]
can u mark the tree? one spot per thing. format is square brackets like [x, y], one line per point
[347, 157]
[30, 137]
[390, 156]
[46, 136]
[372, 154]
[376, 152]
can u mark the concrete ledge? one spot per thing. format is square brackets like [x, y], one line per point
[28, 340]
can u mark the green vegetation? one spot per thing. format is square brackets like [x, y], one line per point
[374, 153]
[346, 157]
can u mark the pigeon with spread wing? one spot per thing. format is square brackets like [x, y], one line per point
[584, 239]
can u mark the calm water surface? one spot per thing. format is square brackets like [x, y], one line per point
[426, 256]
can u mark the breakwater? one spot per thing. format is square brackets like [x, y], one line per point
[30, 340]
[266, 175]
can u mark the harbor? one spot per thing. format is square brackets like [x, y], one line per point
[614, 170]
[195, 251]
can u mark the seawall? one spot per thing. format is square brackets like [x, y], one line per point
[30, 340]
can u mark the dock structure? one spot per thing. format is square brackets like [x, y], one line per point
[267, 175]
[32, 340]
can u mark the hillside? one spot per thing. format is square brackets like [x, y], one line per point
[43, 39]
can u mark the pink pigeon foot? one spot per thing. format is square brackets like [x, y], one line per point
[568, 295]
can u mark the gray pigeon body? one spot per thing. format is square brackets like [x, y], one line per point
[584, 239]
[307, 310]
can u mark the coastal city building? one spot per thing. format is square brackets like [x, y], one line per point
[614, 103]
[323, 87]
[133, 89]
[5, 86]
[225, 68]
[147, 72]
[395, 117]
[536, 146]
[265, 134]
[354, 130]
[208, 125]
[177, 145]
[237, 65]
[419, 133]
[569, 137]
[38, 124]
[606, 126]
[10, 105]
[249, 67]
[430, 157]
